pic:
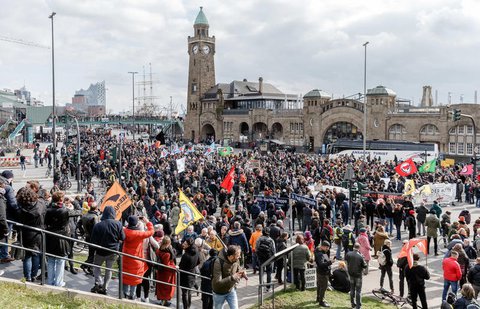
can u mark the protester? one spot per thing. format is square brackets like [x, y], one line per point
[451, 274]
[416, 276]
[468, 297]
[339, 278]
[166, 256]
[433, 224]
[324, 268]
[386, 268]
[189, 261]
[355, 265]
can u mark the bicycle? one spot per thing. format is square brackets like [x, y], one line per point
[64, 183]
[396, 300]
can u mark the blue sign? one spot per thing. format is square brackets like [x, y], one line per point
[151, 171]
[300, 198]
[263, 201]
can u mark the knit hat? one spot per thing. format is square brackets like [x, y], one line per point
[157, 213]
[204, 213]
[362, 230]
[325, 243]
[132, 221]
[412, 212]
[7, 174]
[461, 218]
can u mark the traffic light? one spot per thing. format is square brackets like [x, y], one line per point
[362, 188]
[456, 114]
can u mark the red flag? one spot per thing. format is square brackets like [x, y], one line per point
[406, 168]
[228, 182]
[467, 170]
[407, 249]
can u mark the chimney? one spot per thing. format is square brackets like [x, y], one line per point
[260, 84]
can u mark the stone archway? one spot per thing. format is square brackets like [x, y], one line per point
[260, 130]
[277, 131]
[208, 133]
[341, 130]
[244, 130]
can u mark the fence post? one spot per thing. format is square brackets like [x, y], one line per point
[285, 265]
[43, 257]
[120, 279]
[260, 286]
[177, 274]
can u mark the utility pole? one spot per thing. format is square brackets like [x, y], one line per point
[365, 103]
[133, 102]
[54, 114]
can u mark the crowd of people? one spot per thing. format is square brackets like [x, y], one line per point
[237, 232]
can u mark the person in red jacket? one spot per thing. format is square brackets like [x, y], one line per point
[451, 274]
[133, 245]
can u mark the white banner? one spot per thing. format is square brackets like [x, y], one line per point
[310, 278]
[442, 192]
[181, 165]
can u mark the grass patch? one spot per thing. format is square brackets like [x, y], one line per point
[18, 296]
[293, 299]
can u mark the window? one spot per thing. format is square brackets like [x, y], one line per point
[453, 131]
[469, 148]
[451, 147]
[461, 130]
[460, 148]
[194, 87]
[429, 129]
[470, 130]
[397, 132]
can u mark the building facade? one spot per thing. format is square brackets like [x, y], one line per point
[243, 111]
[91, 100]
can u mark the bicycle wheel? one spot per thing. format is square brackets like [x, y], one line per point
[379, 294]
[68, 184]
[79, 247]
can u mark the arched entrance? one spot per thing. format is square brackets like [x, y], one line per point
[244, 132]
[260, 130]
[277, 131]
[341, 130]
[208, 133]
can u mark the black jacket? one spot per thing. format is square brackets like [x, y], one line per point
[340, 281]
[474, 275]
[416, 276]
[190, 259]
[32, 214]
[207, 271]
[89, 220]
[108, 233]
[56, 221]
[324, 264]
[355, 263]
[388, 256]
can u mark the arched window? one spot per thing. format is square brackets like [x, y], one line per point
[397, 132]
[429, 129]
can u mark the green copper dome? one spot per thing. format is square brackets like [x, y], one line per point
[201, 18]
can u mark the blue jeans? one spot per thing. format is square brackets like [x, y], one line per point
[230, 298]
[446, 287]
[478, 202]
[338, 255]
[55, 270]
[31, 265]
[399, 231]
[390, 224]
[129, 290]
[356, 291]
[4, 248]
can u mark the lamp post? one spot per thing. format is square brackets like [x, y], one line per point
[79, 170]
[133, 101]
[54, 147]
[365, 103]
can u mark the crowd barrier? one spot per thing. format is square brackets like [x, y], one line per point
[13, 161]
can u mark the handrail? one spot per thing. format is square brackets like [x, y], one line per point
[116, 252]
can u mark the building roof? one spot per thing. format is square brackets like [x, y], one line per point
[201, 18]
[240, 90]
[381, 90]
[315, 93]
[38, 115]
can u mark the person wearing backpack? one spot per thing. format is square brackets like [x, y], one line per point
[206, 285]
[467, 301]
[473, 276]
[265, 249]
[401, 264]
[386, 262]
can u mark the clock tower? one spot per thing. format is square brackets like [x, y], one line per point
[201, 73]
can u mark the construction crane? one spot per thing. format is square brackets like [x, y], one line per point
[19, 41]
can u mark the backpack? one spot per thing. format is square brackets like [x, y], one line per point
[325, 234]
[209, 272]
[473, 305]
[263, 250]
[381, 258]
[346, 239]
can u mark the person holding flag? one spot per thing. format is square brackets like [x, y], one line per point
[229, 180]
[428, 167]
[406, 168]
[188, 215]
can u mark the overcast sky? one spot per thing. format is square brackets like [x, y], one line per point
[295, 45]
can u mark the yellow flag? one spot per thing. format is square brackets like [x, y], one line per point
[117, 198]
[188, 213]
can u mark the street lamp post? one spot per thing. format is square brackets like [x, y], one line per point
[365, 103]
[79, 170]
[133, 101]
[54, 147]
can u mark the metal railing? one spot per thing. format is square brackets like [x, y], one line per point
[279, 255]
[120, 266]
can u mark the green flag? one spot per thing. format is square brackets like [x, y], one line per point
[225, 151]
[428, 167]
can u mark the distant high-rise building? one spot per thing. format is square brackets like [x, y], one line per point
[94, 95]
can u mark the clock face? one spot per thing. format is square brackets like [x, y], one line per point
[206, 49]
[195, 49]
